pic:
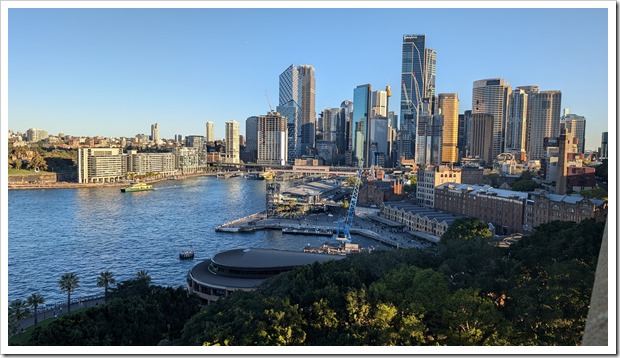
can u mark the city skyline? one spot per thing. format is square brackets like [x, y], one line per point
[163, 66]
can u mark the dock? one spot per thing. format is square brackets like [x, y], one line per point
[322, 224]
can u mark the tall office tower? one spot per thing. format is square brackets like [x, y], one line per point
[576, 125]
[462, 139]
[361, 117]
[565, 141]
[272, 139]
[343, 132]
[417, 82]
[329, 124]
[307, 83]
[210, 132]
[346, 111]
[379, 102]
[543, 120]
[429, 135]
[155, 133]
[251, 137]
[393, 120]
[378, 133]
[516, 132]
[448, 104]
[491, 96]
[232, 142]
[604, 146]
[297, 104]
[481, 137]
[290, 107]
[466, 134]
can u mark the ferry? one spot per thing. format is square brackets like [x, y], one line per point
[344, 248]
[137, 187]
[266, 176]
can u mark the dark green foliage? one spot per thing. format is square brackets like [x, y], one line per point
[524, 185]
[596, 193]
[466, 229]
[601, 170]
[552, 278]
[135, 314]
[464, 291]
[246, 319]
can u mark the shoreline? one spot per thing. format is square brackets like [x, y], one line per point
[72, 185]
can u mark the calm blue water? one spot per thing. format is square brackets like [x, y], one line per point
[53, 231]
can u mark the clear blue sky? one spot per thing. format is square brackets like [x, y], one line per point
[114, 72]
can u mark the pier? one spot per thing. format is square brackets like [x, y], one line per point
[324, 224]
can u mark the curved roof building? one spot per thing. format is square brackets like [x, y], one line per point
[245, 269]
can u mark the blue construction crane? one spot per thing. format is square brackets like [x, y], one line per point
[345, 234]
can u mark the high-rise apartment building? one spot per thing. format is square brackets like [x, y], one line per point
[361, 117]
[481, 137]
[491, 96]
[155, 133]
[195, 141]
[272, 139]
[231, 154]
[210, 132]
[417, 82]
[297, 104]
[576, 125]
[543, 120]
[516, 132]
[99, 165]
[35, 134]
[448, 104]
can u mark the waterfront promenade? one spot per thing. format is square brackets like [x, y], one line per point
[391, 235]
[53, 311]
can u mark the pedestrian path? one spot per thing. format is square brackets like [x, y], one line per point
[59, 310]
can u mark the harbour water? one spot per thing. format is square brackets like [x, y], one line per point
[89, 230]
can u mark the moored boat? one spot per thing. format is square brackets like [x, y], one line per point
[186, 255]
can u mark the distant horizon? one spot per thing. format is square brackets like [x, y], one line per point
[182, 67]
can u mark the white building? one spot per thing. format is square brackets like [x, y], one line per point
[272, 139]
[231, 156]
[99, 165]
[429, 177]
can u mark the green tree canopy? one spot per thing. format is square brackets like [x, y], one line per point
[467, 229]
[594, 193]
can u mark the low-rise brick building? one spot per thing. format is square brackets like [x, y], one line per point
[541, 208]
[502, 208]
[417, 218]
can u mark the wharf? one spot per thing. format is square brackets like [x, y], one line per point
[324, 223]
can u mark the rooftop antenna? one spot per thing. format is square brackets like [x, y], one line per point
[268, 102]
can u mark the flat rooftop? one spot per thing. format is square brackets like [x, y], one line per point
[253, 258]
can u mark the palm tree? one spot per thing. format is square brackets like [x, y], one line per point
[18, 310]
[35, 300]
[69, 282]
[105, 279]
[144, 276]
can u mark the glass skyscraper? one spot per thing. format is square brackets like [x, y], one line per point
[297, 104]
[361, 117]
[417, 83]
